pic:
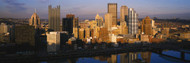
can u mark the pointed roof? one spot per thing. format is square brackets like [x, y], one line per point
[97, 16]
[147, 17]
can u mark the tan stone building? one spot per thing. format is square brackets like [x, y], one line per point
[112, 9]
[35, 20]
[99, 20]
[123, 13]
[147, 26]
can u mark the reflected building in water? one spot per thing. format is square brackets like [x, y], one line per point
[128, 57]
[146, 56]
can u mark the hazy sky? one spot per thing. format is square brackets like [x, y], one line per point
[89, 8]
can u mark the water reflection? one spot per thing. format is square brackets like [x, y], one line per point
[128, 57]
[146, 56]
[132, 57]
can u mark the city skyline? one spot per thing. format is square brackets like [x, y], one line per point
[88, 9]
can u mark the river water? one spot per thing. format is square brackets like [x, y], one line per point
[132, 57]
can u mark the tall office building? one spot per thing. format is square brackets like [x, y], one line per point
[132, 22]
[75, 24]
[108, 21]
[54, 18]
[34, 20]
[55, 42]
[124, 19]
[75, 20]
[147, 26]
[112, 9]
[123, 13]
[67, 25]
[99, 20]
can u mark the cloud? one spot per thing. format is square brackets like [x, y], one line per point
[14, 5]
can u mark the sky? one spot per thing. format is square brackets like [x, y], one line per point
[87, 9]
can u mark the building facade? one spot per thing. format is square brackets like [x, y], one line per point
[67, 25]
[147, 26]
[35, 20]
[108, 21]
[99, 20]
[132, 21]
[55, 41]
[54, 18]
[123, 13]
[112, 9]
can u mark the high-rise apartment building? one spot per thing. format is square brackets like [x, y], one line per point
[34, 20]
[147, 26]
[112, 9]
[132, 21]
[54, 18]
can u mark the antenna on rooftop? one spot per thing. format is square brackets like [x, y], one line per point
[35, 10]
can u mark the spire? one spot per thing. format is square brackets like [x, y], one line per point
[147, 17]
[97, 16]
[35, 10]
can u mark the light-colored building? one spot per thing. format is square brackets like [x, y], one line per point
[132, 21]
[185, 36]
[4, 28]
[81, 33]
[144, 38]
[108, 21]
[75, 32]
[35, 20]
[112, 9]
[99, 20]
[113, 38]
[54, 18]
[54, 40]
[123, 13]
[87, 33]
[123, 27]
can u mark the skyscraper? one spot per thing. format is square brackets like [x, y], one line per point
[123, 13]
[34, 20]
[112, 9]
[147, 26]
[67, 25]
[108, 21]
[99, 20]
[124, 19]
[132, 21]
[54, 18]
[75, 20]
